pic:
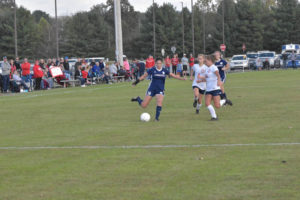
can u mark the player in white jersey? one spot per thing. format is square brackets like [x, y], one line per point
[213, 83]
[199, 88]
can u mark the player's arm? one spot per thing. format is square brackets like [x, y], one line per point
[177, 77]
[201, 79]
[140, 79]
[192, 72]
[226, 67]
[219, 78]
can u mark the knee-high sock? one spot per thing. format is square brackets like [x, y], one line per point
[139, 100]
[212, 111]
[158, 110]
[198, 106]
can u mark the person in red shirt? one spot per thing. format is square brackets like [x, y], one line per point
[168, 63]
[175, 62]
[13, 68]
[38, 74]
[150, 62]
[191, 62]
[26, 72]
[84, 72]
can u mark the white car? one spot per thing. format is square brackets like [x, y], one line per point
[265, 59]
[239, 62]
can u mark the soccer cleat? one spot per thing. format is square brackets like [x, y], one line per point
[214, 119]
[156, 120]
[197, 112]
[228, 102]
[195, 103]
[134, 99]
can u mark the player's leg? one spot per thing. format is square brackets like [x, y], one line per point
[224, 100]
[208, 99]
[199, 103]
[196, 96]
[159, 102]
[143, 103]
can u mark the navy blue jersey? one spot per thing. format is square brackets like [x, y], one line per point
[158, 78]
[221, 64]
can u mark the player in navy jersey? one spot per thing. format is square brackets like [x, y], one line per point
[222, 66]
[157, 86]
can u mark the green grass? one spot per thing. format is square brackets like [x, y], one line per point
[266, 110]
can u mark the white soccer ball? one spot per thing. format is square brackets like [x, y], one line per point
[145, 117]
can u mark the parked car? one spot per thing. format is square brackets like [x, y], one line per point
[297, 61]
[95, 59]
[278, 62]
[265, 59]
[252, 56]
[239, 62]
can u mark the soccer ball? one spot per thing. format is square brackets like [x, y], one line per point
[145, 117]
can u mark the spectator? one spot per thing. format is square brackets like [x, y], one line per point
[38, 75]
[26, 72]
[42, 64]
[150, 62]
[113, 69]
[18, 66]
[185, 63]
[13, 68]
[67, 68]
[5, 74]
[126, 65]
[18, 81]
[93, 63]
[168, 63]
[49, 76]
[78, 75]
[84, 72]
[49, 63]
[134, 70]
[96, 70]
[107, 75]
[191, 62]
[141, 65]
[179, 68]
[293, 59]
[102, 65]
[174, 62]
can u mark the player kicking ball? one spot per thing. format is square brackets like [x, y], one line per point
[156, 89]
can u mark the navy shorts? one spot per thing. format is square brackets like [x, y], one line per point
[214, 93]
[154, 92]
[223, 79]
[200, 91]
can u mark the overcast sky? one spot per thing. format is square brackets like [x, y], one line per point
[69, 7]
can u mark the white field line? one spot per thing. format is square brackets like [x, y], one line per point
[148, 146]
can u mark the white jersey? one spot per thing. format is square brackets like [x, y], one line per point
[199, 70]
[211, 79]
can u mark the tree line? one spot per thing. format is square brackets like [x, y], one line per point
[259, 24]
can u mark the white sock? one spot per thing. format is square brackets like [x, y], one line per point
[222, 102]
[198, 106]
[212, 111]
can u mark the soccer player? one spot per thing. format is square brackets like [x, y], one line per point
[199, 88]
[157, 86]
[222, 66]
[213, 83]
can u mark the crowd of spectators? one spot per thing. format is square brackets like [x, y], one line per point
[17, 76]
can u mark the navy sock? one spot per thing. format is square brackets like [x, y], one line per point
[158, 110]
[223, 96]
[139, 100]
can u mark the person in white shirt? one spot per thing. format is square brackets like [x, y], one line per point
[198, 88]
[185, 64]
[213, 83]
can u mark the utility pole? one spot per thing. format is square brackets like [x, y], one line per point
[57, 46]
[15, 25]
[193, 28]
[118, 32]
[154, 32]
[182, 28]
[204, 37]
[223, 16]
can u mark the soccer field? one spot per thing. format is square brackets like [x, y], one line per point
[88, 143]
